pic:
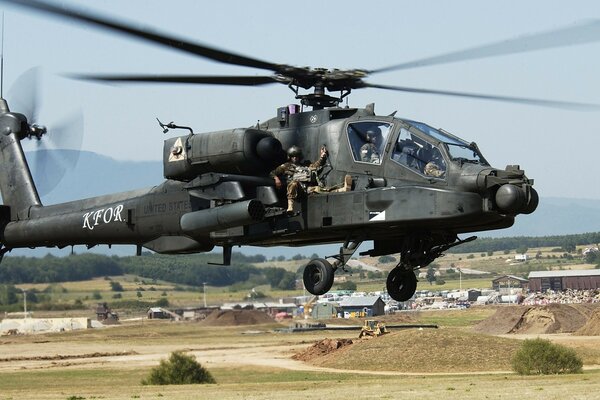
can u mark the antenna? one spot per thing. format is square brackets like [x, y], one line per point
[2, 61]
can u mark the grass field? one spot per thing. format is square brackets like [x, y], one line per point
[267, 383]
[251, 362]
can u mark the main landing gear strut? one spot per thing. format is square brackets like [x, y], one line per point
[401, 282]
[417, 252]
[319, 273]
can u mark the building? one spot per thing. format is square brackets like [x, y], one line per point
[364, 306]
[508, 283]
[473, 294]
[541, 281]
[325, 310]
[273, 308]
[105, 315]
[161, 313]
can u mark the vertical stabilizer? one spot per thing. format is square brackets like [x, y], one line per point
[16, 184]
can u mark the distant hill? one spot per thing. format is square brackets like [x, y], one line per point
[93, 175]
[555, 216]
[96, 174]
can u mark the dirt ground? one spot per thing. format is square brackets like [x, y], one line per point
[236, 318]
[592, 326]
[263, 348]
[254, 362]
[546, 319]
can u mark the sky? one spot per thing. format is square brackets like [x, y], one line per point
[557, 148]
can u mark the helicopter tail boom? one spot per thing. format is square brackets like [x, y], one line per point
[16, 183]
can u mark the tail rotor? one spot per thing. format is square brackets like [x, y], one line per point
[55, 148]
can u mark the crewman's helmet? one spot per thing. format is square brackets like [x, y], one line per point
[373, 134]
[294, 151]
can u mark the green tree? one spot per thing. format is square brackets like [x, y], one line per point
[8, 295]
[568, 245]
[162, 302]
[179, 369]
[542, 357]
[256, 294]
[386, 259]
[430, 275]
[287, 282]
[348, 285]
[592, 257]
[116, 286]
[521, 250]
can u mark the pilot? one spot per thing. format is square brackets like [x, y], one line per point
[369, 152]
[298, 173]
[435, 167]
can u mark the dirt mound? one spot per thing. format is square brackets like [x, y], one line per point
[427, 350]
[322, 348]
[551, 318]
[502, 321]
[237, 317]
[592, 327]
[398, 318]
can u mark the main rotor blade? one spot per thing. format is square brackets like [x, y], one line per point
[212, 53]
[580, 33]
[197, 79]
[520, 100]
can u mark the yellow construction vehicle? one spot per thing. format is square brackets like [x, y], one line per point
[308, 306]
[372, 328]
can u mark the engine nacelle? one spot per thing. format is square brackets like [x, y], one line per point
[239, 151]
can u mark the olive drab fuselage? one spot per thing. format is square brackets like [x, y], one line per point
[390, 198]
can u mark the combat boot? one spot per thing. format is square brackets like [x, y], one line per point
[290, 208]
[347, 183]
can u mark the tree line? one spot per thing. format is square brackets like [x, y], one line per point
[565, 242]
[193, 270]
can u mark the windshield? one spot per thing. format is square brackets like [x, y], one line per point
[418, 155]
[368, 140]
[458, 149]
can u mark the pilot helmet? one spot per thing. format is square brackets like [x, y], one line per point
[373, 134]
[294, 151]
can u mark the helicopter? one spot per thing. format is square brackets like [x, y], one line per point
[405, 186]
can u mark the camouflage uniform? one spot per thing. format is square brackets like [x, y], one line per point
[298, 176]
[432, 169]
[369, 153]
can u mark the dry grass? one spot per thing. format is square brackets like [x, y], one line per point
[398, 365]
[428, 350]
[277, 384]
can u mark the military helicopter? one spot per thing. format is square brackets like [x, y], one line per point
[406, 186]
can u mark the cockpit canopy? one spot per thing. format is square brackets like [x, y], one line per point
[418, 146]
[458, 149]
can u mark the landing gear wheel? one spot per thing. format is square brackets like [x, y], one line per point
[401, 284]
[318, 276]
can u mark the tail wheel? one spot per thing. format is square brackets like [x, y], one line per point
[401, 284]
[318, 276]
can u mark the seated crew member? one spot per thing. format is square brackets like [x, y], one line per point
[369, 152]
[298, 174]
[435, 167]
